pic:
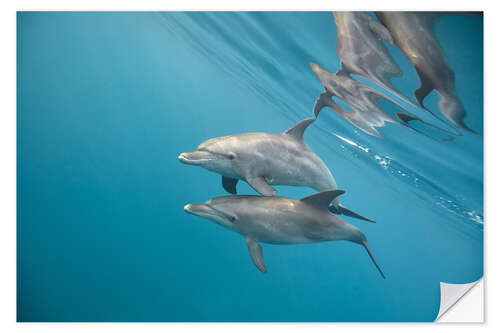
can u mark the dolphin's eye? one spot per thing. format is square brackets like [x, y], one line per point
[232, 218]
[231, 156]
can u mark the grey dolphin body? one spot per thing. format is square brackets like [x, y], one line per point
[280, 220]
[413, 33]
[363, 100]
[365, 112]
[362, 51]
[265, 159]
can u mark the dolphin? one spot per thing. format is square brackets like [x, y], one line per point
[265, 159]
[280, 220]
[363, 101]
[362, 51]
[413, 33]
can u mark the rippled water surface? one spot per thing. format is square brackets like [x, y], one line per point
[107, 101]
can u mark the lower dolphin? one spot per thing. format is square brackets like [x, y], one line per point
[280, 220]
[265, 159]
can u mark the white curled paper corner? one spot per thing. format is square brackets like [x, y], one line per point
[461, 303]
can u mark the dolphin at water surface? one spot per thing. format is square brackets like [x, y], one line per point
[413, 33]
[361, 49]
[265, 159]
[280, 220]
[365, 110]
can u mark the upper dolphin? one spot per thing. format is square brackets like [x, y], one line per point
[265, 159]
[362, 51]
[413, 33]
[280, 220]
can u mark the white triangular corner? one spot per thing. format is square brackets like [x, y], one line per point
[469, 309]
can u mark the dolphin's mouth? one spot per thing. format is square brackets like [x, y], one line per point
[207, 211]
[195, 157]
[202, 210]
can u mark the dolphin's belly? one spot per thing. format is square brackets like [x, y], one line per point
[279, 228]
[280, 237]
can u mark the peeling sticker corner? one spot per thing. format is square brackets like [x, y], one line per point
[451, 294]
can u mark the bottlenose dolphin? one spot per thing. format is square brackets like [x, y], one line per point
[362, 51]
[363, 100]
[280, 220]
[265, 159]
[413, 33]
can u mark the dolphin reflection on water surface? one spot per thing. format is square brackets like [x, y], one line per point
[363, 101]
[413, 33]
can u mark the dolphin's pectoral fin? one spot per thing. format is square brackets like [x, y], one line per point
[380, 30]
[347, 212]
[297, 131]
[260, 185]
[256, 253]
[229, 184]
[425, 87]
[323, 199]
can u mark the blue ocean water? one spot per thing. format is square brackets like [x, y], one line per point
[107, 101]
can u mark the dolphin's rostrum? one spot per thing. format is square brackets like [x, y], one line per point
[265, 159]
[280, 220]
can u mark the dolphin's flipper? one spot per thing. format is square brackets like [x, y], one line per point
[256, 253]
[260, 185]
[365, 244]
[229, 184]
[321, 200]
[297, 131]
[347, 212]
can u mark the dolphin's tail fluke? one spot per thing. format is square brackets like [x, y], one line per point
[347, 212]
[365, 244]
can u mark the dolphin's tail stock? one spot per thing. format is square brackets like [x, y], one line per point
[341, 210]
[365, 244]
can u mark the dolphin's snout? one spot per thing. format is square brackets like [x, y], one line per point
[182, 157]
[199, 210]
[315, 67]
[187, 158]
[195, 157]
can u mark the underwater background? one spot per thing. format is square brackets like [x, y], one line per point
[107, 101]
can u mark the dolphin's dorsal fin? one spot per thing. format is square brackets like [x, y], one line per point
[426, 86]
[322, 199]
[324, 99]
[297, 131]
[343, 70]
